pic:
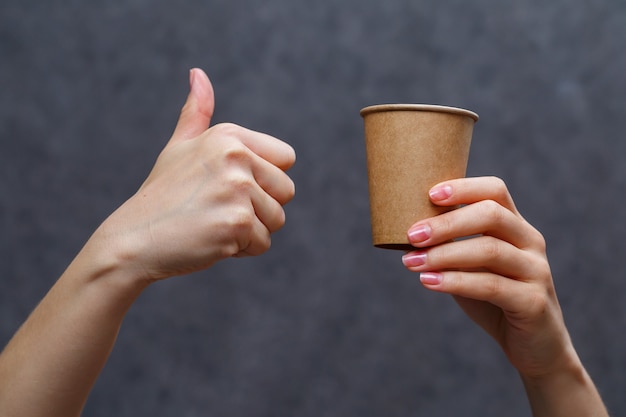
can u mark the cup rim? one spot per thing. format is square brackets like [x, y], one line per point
[418, 107]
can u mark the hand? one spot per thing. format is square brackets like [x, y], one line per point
[500, 276]
[213, 193]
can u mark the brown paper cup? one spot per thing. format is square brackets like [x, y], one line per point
[410, 148]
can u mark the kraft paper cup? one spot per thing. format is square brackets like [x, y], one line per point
[410, 148]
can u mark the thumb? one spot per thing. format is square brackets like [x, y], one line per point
[195, 116]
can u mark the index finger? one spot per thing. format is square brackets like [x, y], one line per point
[273, 150]
[486, 217]
[464, 191]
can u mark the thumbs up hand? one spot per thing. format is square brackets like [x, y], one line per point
[214, 192]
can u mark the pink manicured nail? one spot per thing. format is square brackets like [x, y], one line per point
[414, 259]
[431, 278]
[420, 233]
[440, 192]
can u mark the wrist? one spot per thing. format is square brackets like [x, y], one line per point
[572, 371]
[107, 262]
[566, 390]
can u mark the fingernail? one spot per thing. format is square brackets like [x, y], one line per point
[431, 278]
[414, 259]
[440, 192]
[191, 77]
[420, 233]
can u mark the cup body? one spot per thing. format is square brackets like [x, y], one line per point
[410, 148]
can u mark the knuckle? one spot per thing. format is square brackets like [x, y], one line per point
[258, 245]
[539, 301]
[492, 211]
[499, 186]
[226, 129]
[274, 217]
[289, 191]
[240, 183]
[541, 271]
[538, 241]
[240, 221]
[493, 287]
[441, 256]
[229, 249]
[490, 248]
[442, 224]
[280, 219]
[236, 153]
[454, 281]
[265, 242]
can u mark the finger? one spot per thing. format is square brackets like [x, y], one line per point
[273, 150]
[485, 217]
[509, 295]
[258, 241]
[484, 253]
[471, 190]
[196, 114]
[268, 211]
[273, 181]
[270, 217]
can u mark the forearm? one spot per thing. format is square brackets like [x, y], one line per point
[569, 393]
[52, 362]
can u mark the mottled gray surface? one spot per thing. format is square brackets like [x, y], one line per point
[322, 325]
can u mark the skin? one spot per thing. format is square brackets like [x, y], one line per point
[213, 193]
[218, 192]
[501, 278]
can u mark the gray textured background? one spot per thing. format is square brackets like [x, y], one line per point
[322, 325]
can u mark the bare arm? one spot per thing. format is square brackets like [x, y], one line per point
[213, 193]
[52, 362]
[502, 279]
